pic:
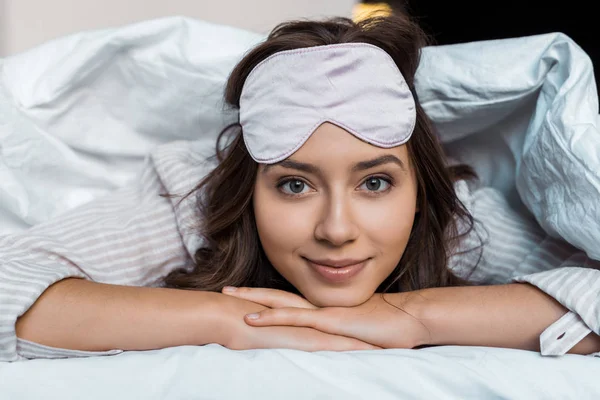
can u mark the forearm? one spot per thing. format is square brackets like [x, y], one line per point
[509, 316]
[82, 315]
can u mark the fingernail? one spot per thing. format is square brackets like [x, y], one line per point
[229, 289]
[253, 316]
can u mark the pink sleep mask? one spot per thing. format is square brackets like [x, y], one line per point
[356, 86]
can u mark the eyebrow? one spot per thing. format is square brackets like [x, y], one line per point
[360, 166]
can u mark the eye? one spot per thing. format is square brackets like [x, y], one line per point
[295, 186]
[374, 183]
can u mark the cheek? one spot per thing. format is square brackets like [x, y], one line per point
[281, 231]
[389, 225]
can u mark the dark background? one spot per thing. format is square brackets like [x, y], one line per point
[458, 21]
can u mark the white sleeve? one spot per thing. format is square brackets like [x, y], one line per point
[129, 237]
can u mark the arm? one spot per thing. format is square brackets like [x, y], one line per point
[516, 249]
[82, 315]
[510, 316]
[577, 289]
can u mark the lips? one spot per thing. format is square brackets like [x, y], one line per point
[337, 274]
[337, 263]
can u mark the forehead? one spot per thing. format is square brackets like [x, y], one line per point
[334, 139]
[333, 147]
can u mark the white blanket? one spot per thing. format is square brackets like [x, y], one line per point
[78, 115]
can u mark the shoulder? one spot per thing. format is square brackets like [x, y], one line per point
[181, 165]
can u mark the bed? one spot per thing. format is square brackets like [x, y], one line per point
[215, 372]
[79, 114]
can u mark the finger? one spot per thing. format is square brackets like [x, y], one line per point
[331, 320]
[271, 298]
[289, 316]
[307, 339]
[341, 343]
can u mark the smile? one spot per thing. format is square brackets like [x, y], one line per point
[336, 274]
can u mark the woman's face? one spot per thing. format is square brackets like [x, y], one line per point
[336, 200]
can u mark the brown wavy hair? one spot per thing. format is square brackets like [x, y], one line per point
[232, 253]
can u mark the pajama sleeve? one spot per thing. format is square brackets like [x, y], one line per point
[131, 236]
[516, 249]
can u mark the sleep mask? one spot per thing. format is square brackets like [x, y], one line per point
[356, 86]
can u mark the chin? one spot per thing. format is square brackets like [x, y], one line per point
[339, 298]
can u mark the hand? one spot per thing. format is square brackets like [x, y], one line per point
[376, 321]
[241, 336]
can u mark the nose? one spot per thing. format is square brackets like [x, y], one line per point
[337, 225]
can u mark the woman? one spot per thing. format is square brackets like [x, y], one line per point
[332, 205]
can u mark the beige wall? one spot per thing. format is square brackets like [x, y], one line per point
[27, 23]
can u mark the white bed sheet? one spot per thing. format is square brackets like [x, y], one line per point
[215, 372]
